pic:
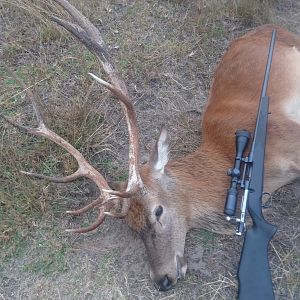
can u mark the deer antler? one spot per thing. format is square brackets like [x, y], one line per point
[89, 35]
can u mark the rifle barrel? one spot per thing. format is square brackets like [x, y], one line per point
[268, 67]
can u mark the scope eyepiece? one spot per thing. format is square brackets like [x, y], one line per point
[231, 200]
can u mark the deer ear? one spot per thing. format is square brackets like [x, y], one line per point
[160, 154]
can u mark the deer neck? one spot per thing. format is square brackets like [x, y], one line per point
[201, 185]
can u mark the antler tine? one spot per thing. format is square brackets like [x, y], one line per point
[88, 34]
[65, 179]
[84, 168]
[18, 126]
[80, 211]
[82, 21]
[97, 223]
[124, 211]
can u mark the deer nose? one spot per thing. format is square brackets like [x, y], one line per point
[163, 284]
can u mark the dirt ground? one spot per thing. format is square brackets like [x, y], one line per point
[167, 52]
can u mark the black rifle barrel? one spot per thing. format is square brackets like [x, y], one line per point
[269, 63]
[263, 90]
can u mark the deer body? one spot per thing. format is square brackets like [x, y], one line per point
[233, 104]
[164, 199]
[195, 186]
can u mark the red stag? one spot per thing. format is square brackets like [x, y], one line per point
[165, 198]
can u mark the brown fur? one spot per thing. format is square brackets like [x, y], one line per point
[135, 217]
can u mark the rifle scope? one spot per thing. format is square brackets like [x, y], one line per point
[241, 141]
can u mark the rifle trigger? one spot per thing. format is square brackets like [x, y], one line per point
[268, 203]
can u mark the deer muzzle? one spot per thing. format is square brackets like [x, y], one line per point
[167, 281]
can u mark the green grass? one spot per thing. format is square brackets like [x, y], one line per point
[48, 33]
[113, 168]
[204, 237]
[11, 50]
[18, 210]
[259, 11]
[217, 31]
[12, 245]
[48, 252]
[248, 12]
[293, 282]
[108, 260]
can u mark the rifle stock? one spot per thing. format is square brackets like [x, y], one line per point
[255, 282]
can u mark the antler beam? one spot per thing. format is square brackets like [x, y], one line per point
[90, 36]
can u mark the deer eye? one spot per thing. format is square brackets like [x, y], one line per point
[158, 211]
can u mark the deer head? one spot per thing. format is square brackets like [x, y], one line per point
[159, 219]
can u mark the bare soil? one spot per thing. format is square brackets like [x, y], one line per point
[167, 54]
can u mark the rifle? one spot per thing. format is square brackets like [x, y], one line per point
[255, 282]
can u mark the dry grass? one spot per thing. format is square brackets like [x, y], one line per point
[166, 51]
[260, 11]
[249, 12]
